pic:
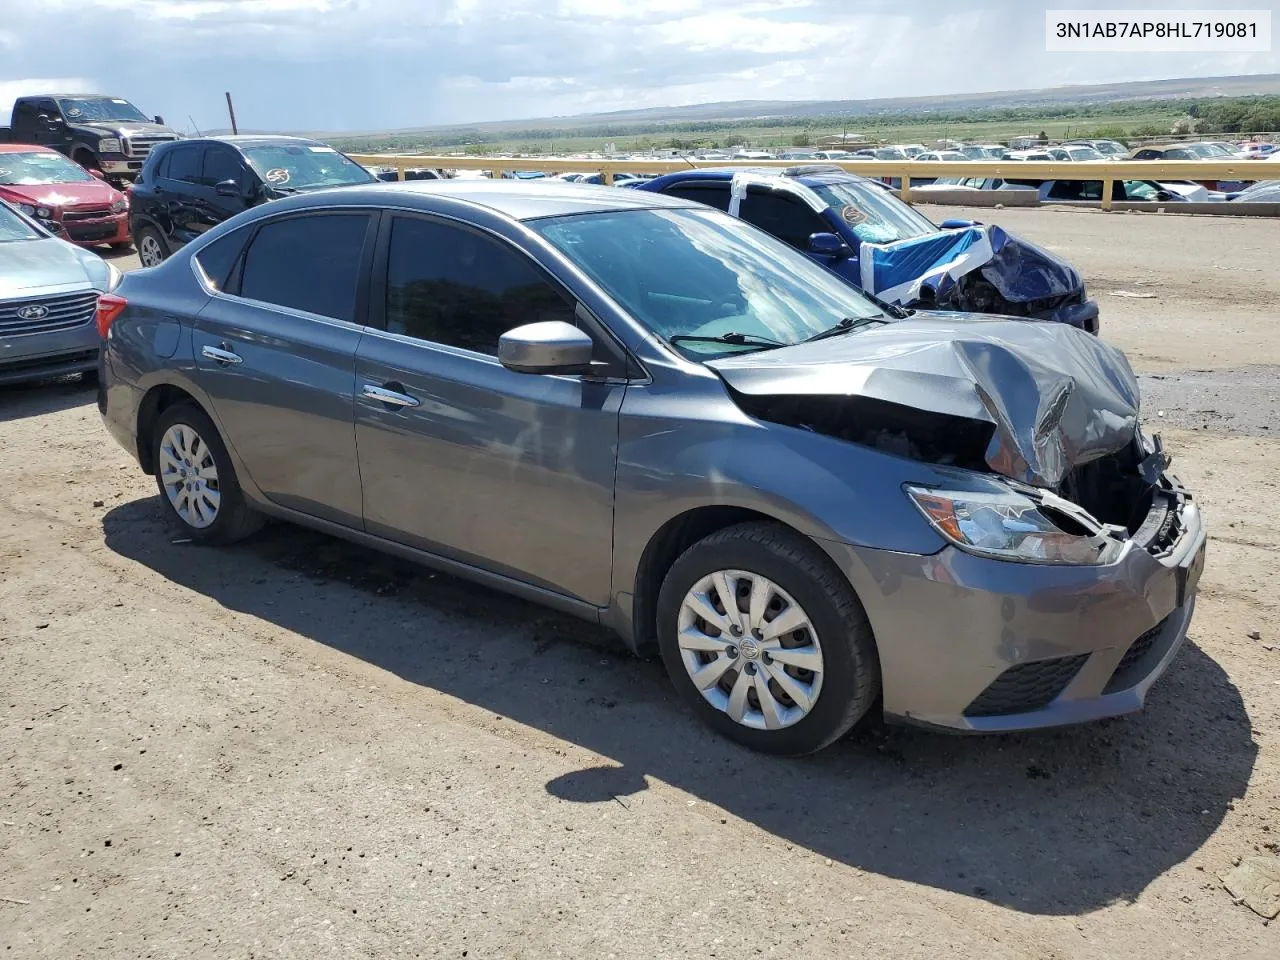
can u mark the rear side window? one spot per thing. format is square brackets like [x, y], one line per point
[184, 164]
[454, 286]
[785, 217]
[307, 263]
[24, 114]
[712, 194]
[218, 259]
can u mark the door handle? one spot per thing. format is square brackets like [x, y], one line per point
[218, 355]
[390, 397]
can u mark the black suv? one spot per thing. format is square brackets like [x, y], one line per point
[188, 186]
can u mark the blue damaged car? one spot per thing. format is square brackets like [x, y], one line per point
[885, 247]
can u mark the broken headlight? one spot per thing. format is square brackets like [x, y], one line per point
[1014, 526]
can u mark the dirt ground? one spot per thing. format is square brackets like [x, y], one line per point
[296, 748]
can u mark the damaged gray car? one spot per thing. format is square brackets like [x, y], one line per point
[649, 414]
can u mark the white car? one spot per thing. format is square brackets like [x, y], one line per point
[1075, 154]
[943, 155]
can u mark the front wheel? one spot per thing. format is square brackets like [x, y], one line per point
[196, 478]
[765, 638]
[152, 250]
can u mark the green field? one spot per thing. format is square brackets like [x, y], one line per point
[1120, 120]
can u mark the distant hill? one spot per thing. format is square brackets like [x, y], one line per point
[743, 110]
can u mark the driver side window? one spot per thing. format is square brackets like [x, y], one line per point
[786, 217]
[458, 287]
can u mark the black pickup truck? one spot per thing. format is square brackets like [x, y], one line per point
[97, 132]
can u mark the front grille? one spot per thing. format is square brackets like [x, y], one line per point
[139, 147]
[95, 213]
[1026, 687]
[1130, 669]
[86, 233]
[61, 313]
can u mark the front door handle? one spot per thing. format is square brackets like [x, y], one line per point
[218, 355]
[390, 397]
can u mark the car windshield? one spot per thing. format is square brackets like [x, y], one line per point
[1140, 190]
[101, 108]
[1208, 150]
[37, 166]
[13, 226]
[1110, 149]
[701, 273]
[874, 215]
[1083, 153]
[303, 166]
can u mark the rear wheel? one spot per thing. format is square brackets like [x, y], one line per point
[196, 478]
[765, 638]
[152, 250]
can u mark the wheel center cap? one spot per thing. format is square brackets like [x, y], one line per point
[750, 649]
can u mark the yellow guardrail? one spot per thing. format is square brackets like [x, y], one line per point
[1107, 171]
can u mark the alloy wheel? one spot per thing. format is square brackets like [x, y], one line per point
[149, 252]
[189, 476]
[750, 649]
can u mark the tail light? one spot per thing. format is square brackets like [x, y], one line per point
[109, 307]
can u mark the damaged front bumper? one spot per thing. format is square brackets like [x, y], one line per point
[982, 645]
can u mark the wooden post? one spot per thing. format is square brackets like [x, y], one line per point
[1107, 186]
[232, 111]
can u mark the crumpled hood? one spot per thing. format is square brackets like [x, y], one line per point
[30, 268]
[1057, 397]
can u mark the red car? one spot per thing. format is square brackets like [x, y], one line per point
[44, 184]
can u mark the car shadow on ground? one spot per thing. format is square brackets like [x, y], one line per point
[1058, 822]
[21, 400]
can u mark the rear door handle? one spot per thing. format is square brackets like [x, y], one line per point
[218, 355]
[390, 397]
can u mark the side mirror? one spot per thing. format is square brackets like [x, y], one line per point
[94, 171]
[228, 188]
[550, 347]
[957, 224]
[159, 119]
[827, 245]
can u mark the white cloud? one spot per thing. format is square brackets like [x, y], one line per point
[10, 90]
[363, 64]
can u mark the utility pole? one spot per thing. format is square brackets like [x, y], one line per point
[232, 111]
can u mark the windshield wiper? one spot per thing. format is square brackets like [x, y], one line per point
[844, 326]
[732, 337]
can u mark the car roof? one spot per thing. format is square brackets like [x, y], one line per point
[69, 96]
[811, 176]
[514, 199]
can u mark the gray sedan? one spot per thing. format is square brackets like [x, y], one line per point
[642, 411]
[48, 292]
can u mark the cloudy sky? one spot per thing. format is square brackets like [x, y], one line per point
[335, 65]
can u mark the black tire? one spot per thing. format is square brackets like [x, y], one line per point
[139, 238]
[851, 667]
[234, 519]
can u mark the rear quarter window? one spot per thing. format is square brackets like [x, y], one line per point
[218, 259]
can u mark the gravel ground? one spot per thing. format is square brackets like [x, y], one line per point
[297, 748]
